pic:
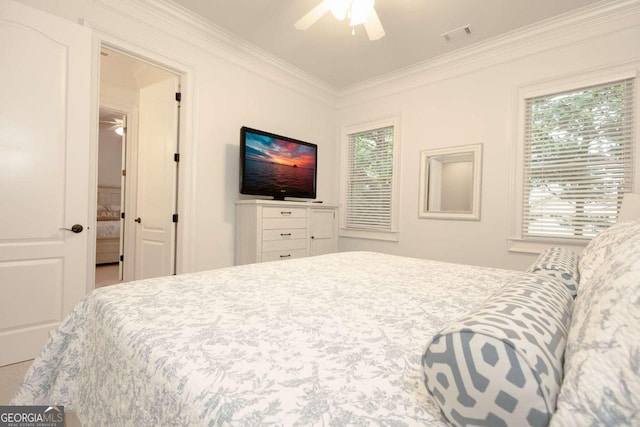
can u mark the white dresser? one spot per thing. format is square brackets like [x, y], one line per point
[269, 230]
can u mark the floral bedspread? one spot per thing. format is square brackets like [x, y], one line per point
[329, 340]
[107, 229]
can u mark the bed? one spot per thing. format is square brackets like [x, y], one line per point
[356, 338]
[311, 341]
[108, 225]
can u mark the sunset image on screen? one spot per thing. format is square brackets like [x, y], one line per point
[271, 150]
[277, 167]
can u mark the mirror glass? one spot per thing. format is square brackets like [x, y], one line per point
[450, 182]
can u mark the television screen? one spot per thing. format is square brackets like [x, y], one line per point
[277, 166]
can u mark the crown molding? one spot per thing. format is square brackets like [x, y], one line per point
[583, 24]
[183, 24]
[577, 26]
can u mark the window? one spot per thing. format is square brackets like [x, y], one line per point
[370, 182]
[578, 160]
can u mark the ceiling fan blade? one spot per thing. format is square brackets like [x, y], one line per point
[373, 26]
[310, 18]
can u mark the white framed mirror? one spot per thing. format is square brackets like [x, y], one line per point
[450, 181]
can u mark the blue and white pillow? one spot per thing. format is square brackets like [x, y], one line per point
[561, 264]
[502, 363]
[603, 247]
[601, 386]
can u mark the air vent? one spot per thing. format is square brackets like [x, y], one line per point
[457, 34]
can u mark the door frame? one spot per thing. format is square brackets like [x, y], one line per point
[186, 171]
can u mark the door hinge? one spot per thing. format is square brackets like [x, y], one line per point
[122, 215]
[176, 157]
[178, 96]
[124, 172]
[121, 257]
[175, 217]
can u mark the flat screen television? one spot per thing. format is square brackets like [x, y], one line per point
[277, 166]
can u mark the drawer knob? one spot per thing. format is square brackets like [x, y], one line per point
[285, 213]
[285, 234]
[285, 256]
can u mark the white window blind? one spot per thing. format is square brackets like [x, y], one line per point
[578, 160]
[369, 180]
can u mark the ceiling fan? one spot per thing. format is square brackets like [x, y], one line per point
[116, 124]
[358, 12]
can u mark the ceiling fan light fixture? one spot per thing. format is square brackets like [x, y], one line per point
[339, 8]
[360, 11]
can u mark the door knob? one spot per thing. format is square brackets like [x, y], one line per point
[76, 228]
[138, 220]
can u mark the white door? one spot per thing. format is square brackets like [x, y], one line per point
[157, 174]
[44, 170]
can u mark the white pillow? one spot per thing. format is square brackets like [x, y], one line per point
[602, 359]
[602, 247]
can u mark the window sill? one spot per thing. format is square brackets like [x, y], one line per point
[539, 246]
[390, 236]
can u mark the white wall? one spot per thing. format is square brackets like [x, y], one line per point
[228, 85]
[229, 98]
[464, 98]
[470, 98]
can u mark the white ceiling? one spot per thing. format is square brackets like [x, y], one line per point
[118, 69]
[413, 28]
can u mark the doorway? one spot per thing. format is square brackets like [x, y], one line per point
[142, 97]
[110, 197]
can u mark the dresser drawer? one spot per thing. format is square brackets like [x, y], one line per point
[285, 212]
[283, 245]
[281, 255]
[284, 234]
[283, 223]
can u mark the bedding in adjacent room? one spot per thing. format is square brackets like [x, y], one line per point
[108, 229]
[331, 340]
[108, 225]
[107, 242]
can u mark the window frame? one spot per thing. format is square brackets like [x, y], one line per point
[535, 245]
[386, 235]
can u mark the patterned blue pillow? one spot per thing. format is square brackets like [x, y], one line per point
[561, 264]
[502, 364]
